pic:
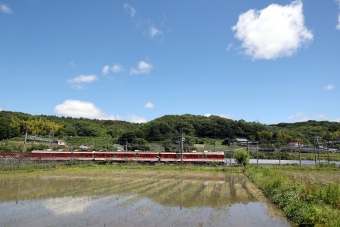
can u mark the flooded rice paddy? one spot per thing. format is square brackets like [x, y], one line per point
[134, 198]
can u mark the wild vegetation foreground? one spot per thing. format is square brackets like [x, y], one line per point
[307, 195]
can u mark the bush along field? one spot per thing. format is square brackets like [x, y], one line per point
[305, 202]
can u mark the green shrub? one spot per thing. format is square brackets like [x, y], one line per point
[38, 147]
[242, 157]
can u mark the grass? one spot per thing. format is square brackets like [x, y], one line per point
[303, 198]
[92, 165]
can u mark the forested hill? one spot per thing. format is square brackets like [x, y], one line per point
[15, 124]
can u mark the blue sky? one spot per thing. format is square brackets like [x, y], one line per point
[267, 61]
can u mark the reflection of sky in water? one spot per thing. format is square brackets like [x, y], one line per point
[67, 205]
[130, 211]
[139, 199]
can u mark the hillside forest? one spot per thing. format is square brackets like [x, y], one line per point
[165, 130]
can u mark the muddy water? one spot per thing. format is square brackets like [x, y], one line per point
[134, 198]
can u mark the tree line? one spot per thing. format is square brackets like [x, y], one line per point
[166, 129]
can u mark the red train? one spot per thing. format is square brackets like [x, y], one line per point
[122, 156]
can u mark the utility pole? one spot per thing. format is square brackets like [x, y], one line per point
[300, 153]
[315, 139]
[214, 145]
[279, 153]
[125, 145]
[230, 150]
[257, 152]
[24, 149]
[181, 146]
[317, 142]
[328, 152]
[52, 140]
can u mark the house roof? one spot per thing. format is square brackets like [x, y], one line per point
[241, 140]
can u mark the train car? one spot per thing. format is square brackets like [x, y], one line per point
[122, 156]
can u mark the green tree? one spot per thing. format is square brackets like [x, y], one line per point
[4, 129]
[242, 157]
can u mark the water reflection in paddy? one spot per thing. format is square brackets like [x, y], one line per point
[134, 198]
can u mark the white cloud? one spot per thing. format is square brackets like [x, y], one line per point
[130, 9]
[68, 205]
[1, 109]
[329, 87]
[143, 67]
[77, 108]
[338, 25]
[153, 31]
[301, 117]
[273, 32]
[116, 68]
[220, 115]
[145, 25]
[106, 69]
[71, 63]
[78, 82]
[299, 114]
[336, 120]
[229, 47]
[83, 79]
[135, 119]
[5, 9]
[149, 105]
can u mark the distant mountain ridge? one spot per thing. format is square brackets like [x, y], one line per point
[169, 126]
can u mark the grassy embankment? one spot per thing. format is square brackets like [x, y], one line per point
[309, 194]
